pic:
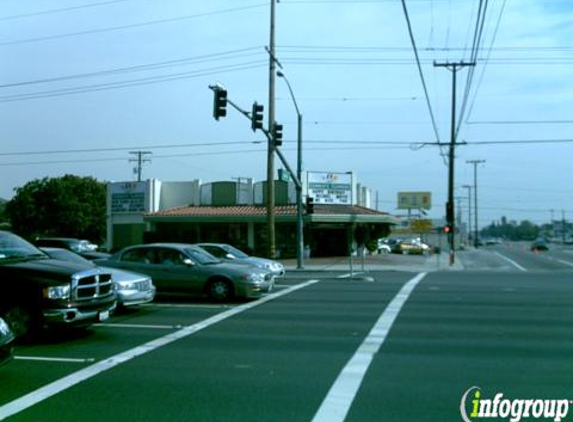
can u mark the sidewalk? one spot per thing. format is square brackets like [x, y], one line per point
[406, 263]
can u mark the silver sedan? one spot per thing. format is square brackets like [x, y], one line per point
[132, 288]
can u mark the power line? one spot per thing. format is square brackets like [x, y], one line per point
[60, 10]
[413, 41]
[130, 26]
[134, 82]
[226, 55]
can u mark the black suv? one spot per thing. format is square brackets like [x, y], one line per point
[36, 291]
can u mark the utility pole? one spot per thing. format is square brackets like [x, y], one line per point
[271, 241]
[475, 164]
[450, 212]
[140, 160]
[469, 188]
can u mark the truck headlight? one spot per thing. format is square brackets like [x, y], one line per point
[57, 292]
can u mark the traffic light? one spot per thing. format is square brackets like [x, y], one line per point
[257, 116]
[449, 212]
[220, 103]
[309, 205]
[447, 229]
[278, 134]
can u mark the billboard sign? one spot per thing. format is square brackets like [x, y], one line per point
[414, 200]
[128, 197]
[330, 188]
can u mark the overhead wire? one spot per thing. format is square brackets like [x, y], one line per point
[129, 26]
[60, 10]
[420, 71]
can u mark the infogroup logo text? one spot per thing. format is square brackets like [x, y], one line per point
[513, 409]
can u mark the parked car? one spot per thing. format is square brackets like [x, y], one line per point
[6, 341]
[230, 253]
[184, 268]
[37, 291]
[539, 245]
[82, 247]
[132, 288]
[383, 246]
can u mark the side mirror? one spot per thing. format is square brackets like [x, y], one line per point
[188, 262]
[229, 256]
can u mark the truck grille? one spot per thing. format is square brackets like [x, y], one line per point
[91, 284]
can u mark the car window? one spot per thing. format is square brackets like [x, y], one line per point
[167, 256]
[139, 255]
[201, 256]
[236, 252]
[215, 251]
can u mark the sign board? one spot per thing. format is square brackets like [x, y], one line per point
[330, 188]
[422, 226]
[414, 200]
[128, 197]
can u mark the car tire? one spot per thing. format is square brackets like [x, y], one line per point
[21, 321]
[220, 290]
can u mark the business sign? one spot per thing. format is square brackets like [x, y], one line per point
[414, 200]
[422, 226]
[330, 188]
[128, 197]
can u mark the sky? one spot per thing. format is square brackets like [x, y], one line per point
[85, 82]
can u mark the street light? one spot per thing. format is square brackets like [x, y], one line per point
[299, 222]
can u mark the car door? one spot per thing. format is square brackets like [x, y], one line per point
[140, 260]
[177, 272]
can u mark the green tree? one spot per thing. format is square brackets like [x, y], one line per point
[68, 206]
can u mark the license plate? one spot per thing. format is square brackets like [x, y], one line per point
[103, 315]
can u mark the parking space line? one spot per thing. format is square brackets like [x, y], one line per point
[337, 403]
[43, 393]
[148, 326]
[51, 359]
[186, 305]
[511, 261]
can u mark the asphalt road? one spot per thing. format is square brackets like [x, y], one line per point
[392, 346]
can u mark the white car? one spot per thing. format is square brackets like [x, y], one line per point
[230, 253]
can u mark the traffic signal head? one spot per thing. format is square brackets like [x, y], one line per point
[278, 134]
[220, 103]
[257, 116]
[309, 205]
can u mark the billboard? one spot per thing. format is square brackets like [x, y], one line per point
[128, 197]
[330, 188]
[414, 200]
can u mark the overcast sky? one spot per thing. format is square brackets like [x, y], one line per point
[84, 82]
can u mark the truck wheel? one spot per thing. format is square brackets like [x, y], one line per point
[220, 290]
[20, 320]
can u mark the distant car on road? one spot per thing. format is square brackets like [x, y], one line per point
[132, 288]
[539, 245]
[6, 340]
[230, 253]
[185, 268]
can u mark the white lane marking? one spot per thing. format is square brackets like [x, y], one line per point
[148, 326]
[511, 261]
[562, 261]
[337, 403]
[43, 393]
[348, 275]
[49, 359]
[185, 305]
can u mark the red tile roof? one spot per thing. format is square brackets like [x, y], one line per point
[258, 211]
